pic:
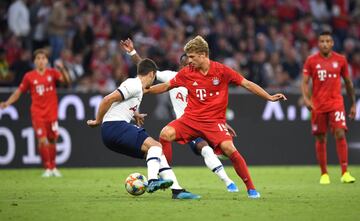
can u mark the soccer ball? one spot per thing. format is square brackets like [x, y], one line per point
[135, 184]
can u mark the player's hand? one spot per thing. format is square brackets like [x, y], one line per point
[139, 118]
[352, 113]
[127, 45]
[231, 130]
[3, 105]
[308, 104]
[277, 97]
[59, 64]
[93, 123]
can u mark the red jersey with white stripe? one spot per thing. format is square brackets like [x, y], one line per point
[207, 94]
[42, 88]
[326, 76]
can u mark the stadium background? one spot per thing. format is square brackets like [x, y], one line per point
[267, 41]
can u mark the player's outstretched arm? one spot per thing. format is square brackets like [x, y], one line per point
[306, 92]
[12, 99]
[256, 89]
[351, 94]
[128, 46]
[158, 88]
[105, 104]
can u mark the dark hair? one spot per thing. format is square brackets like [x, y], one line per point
[182, 57]
[41, 51]
[145, 66]
[326, 32]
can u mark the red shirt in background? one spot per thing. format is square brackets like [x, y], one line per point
[42, 89]
[326, 76]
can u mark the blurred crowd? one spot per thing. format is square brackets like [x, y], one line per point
[265, 40]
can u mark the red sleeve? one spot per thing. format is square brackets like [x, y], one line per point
[233, 76]
[56, 74]
[25, 84]
[345, 69]
[179, 79]
[307, 68]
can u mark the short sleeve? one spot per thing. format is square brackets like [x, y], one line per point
[233, 76]
[307, 68]
[25, 84]
[128, 89]
[345, 69]
[179, 79]
[165, 76]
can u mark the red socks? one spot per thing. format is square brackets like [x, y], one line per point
[48, 155]
[241, 169]
[321, 155]
[342, 152]
[167, 150]
[45, 156]
[52, 151]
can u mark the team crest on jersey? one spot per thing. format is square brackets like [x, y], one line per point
[215, 81]
[335, 64]
[318, 66]
[49, 79]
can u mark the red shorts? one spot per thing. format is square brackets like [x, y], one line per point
[45, 129]
[187, 130]
[334, 119]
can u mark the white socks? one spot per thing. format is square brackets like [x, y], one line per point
[214, 164]
[167, 173]
[153, 162]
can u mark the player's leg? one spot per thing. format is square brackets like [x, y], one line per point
[52, 131]
[338, 127]
[166, 172]
[153, 150]
[200, 146]
[167, 135]
[240, 166]
[41, 135]
[177, 130]
[319, 125]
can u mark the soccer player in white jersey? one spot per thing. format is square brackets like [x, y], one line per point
[116, 111]
[178, 97]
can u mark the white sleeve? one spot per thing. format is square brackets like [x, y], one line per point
[165, 76]
[128, 89]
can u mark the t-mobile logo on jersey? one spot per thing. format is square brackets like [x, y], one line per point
[40, 89]
[322, 74]
[201, 93]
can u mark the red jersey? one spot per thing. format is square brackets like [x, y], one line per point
[44, 101]
[207, 94]
[326, 76]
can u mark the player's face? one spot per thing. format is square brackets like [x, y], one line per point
[41, 61]
[196, 59]
[152, 76]
[325, 44]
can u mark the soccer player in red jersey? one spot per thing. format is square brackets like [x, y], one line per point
[325, 69]
[41, 83]
[207, 83]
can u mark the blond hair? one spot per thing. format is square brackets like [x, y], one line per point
[197, 45]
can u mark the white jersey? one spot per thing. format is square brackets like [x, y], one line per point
[178, 96]
[132, 92]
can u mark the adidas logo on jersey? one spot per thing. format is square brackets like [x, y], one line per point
[318, 66]
[195, 83]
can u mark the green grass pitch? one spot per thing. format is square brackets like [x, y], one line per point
[288, 193]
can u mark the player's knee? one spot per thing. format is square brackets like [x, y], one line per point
[167, 133]
[228, 148]
[320, 138]
[339, 134]
[201, 145]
